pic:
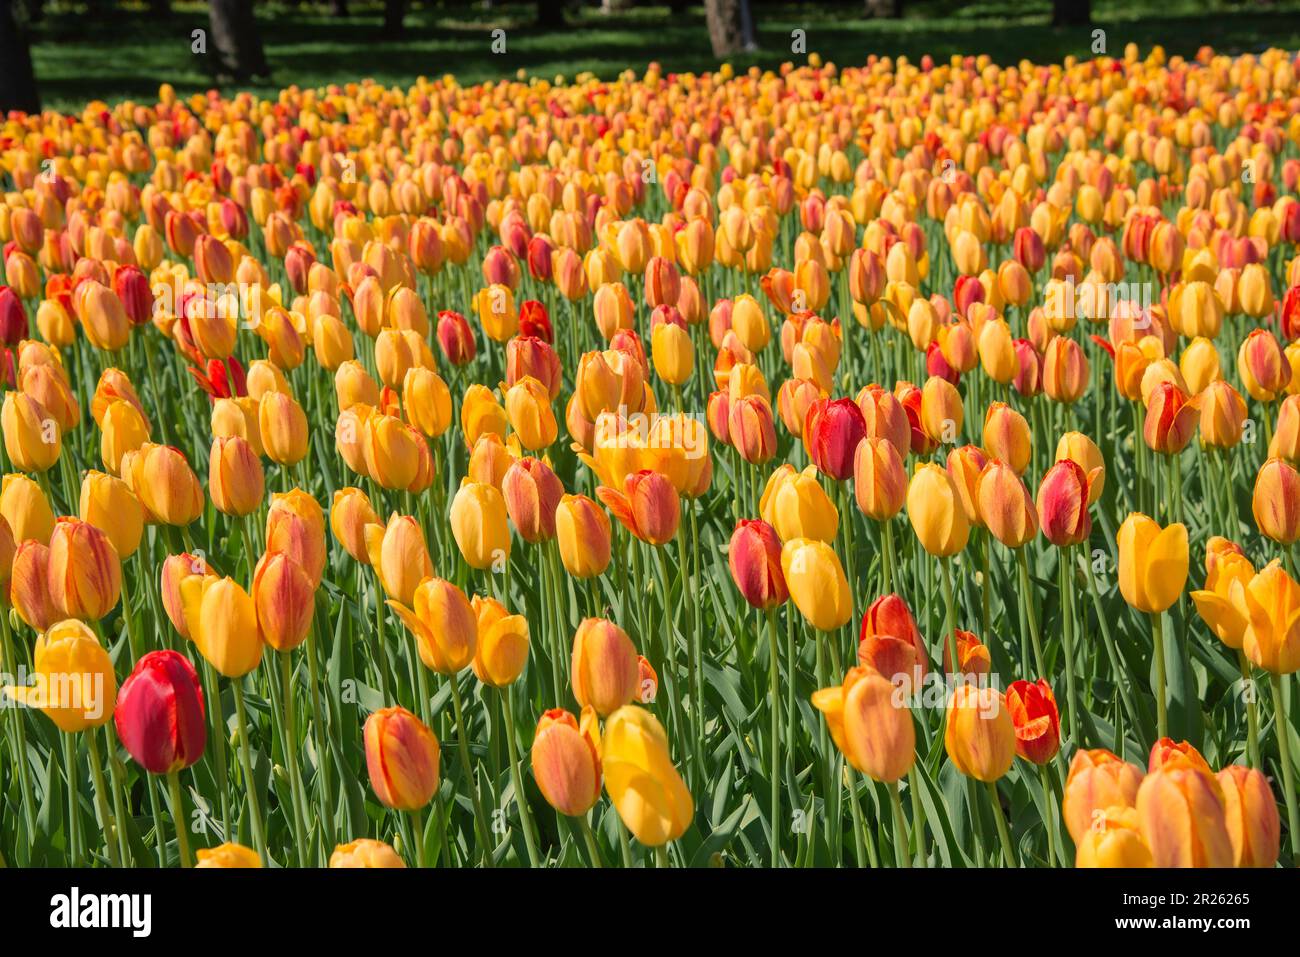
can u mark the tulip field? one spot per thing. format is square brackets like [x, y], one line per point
[878, 465]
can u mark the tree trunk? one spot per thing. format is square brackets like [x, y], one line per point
[394, 14]
[726, 31]
[17, 81]
[236, 41]
[550, 13]
[885, 9]
[1071, 13]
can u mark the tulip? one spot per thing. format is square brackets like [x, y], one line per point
[673, 353]
[1250, 813]
[1171, 419]
[754, 558]
[1063, 499]
[817, 583]
[480, 413]
[26, 509]
[479, 524]
[365, 853]
[582, 532]
[879, 479]
[284, 598]
[444, 625]
[391, 450]
[1113, 839]
[350, 513]
[124, 429]
[228, 855]
[1005, 505]
[165, 484]
[1214, 603]
[1276, 501]
[69, 658]
[1007, 437]
[295, 525]
[603, 666]
[426, 401]
[398, 553]
[501, 648]
[85, 573]
[869, 725]
[941, 411]
[402, 757]
[159, 715]
[1097, 781]
[108, 504]
[831, 433]
[235, 478]
[222, 622]
[283, 427]
[528, 409]
[1182, 819]
[751, 429]
[797, 506]
[646, 789]
[532, 494]
[648, 507]
[964, 466]
[1264, 370]
[980, 736]
[566, 760]
[1036, 718]
[935, 510]
[33, 439]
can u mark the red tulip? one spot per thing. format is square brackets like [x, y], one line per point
[159, 713]
[831, 433]
[1037, 720]
[1063, 504]
[754, 557]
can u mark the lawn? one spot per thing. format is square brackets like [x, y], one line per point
[128, 54]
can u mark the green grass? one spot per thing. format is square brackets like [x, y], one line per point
[128, 54]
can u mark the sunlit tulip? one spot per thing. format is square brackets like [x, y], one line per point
[284, 598]
[228, 855]
[365, 853]
[1276, 501]
[399, 555]
[817, 583]
[1036, 719]
[165, 484]
[980, 737]
[603, 666]
[235, 479]
[642, 783]
[935, 510]
[75, 686]
[565, 758]
[1063, 500]
[501, 649]
[26, 509]
[426, 400]
[107, 503]
[879, 479]
[831, 433]
[32, 437]
[479, 524]
[1182, 819]
[1269, 603]
[870, 726]
[582, 531]
[1005, 505]
[402, 757]
[1113, 839]
[1250, 813]
[444, 625]
[796, 505]
[295, 525]
[85, 572]
[160, 715]
[1264, 370]
[754, 558]
[1098, 780]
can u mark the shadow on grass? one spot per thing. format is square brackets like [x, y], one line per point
[130, 56]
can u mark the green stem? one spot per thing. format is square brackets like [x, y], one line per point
[106, 821]
[590, 840]
[901, 854]
[1288, 773]
[525, 815]
[1003, 835]
[774, 705]
[291, 758]
[250, 783]
[462, 741]
[1252, 713]
[178, 818]
[1158, 639]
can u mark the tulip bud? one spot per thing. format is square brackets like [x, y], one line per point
[796, 505]
[501, 649]
[109, 504]
[1250, 812]
[295, 525]
[402, 759]
[831, 433]
[566, 760]
[26, 509]
[68, 657]
[879, 479]
[228, 855]
[1063, 498]
[1277, 490]
[1181, 817]
[754, 558]
[159, 715]
[1113, 839]
[1007, 437]
[1005, 505]
[478, 522]
[642, 783]
[1264, 370]
[235, 478]
[935, 510]
[603, 666]
[582, 532]
[85, 572]
[817, 583]
[980, 737]
[33, 439]
[444, 625]
[1036, 718]
[871, 728]
[365, 853]
[285, 601]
